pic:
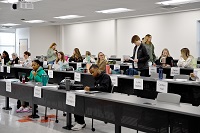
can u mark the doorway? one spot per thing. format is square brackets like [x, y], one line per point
[23, 46]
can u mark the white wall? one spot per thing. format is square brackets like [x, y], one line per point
[22, 33]
[42, 37]
[95, 37]
[172, 31]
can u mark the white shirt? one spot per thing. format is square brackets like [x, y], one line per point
[59, 64]
[185, 63]
[27, 62]
[135, 63]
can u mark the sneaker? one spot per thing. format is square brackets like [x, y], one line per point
[20, 110]
[27, 109]
[78, 127]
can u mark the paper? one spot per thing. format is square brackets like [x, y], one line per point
[77, 76]
[138, 83]
[152, 70]
[44, 63]
[8, 69]
[38, 92]
[162, 86]
[116, 67]
[17, 65]
[70, 98]
[195, 71]
[175, 71]
[8, 86]
[78, 65]
[50, 73]
[114, 80]
[2, 68]
[131, 66]
[2, 62]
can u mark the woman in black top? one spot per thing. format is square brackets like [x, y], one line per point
[5, 56]
[165, 59]
[76, 57]
[15, 59]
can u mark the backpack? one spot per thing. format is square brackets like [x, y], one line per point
[131, 71]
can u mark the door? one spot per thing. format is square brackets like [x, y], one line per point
[23, 46]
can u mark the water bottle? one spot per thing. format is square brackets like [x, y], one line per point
[23, 79]
[67, 83]
[160, 72]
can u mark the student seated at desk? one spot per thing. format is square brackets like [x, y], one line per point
[5, 56]
[88, 58]
[60, 61]
[185, 60]
[35, 75]
[102, 83]
[15, 59]
[165, 59]
[101, 61]
[27, 62]
[76, 57]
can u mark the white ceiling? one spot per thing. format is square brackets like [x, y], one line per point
[48, 9]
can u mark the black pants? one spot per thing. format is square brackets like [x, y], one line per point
[79, 119]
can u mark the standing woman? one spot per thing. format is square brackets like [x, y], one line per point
[76, 57]
[150, 48]
[101, 61]
[52, 54]
[185, 60]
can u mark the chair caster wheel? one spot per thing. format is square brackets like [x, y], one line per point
[64, 114]
[56, 121]
[93, 129]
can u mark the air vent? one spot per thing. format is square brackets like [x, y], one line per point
[168, 6]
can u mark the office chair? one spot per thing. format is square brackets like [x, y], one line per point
[169, 98]
[156, 75]
[175, 120]
[181, 77]
[155, 121]
[93, 129]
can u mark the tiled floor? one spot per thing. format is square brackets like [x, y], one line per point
[9, 122]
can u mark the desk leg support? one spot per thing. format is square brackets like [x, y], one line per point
[34, 112]
[117, 128]
[7, 104]
[69, 121]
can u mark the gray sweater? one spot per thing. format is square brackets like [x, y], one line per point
[150, 51]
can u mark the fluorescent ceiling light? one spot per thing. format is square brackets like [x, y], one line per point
[35, 21]
[10, 24]
[177, 2]
[69, 17]
[15, 1]
[116, 10]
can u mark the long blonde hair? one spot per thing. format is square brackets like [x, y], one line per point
[146, 39]
[77, 53]
[186, 51]
[98, 59]
[62, 57]
[165, 49]
[53, 44]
